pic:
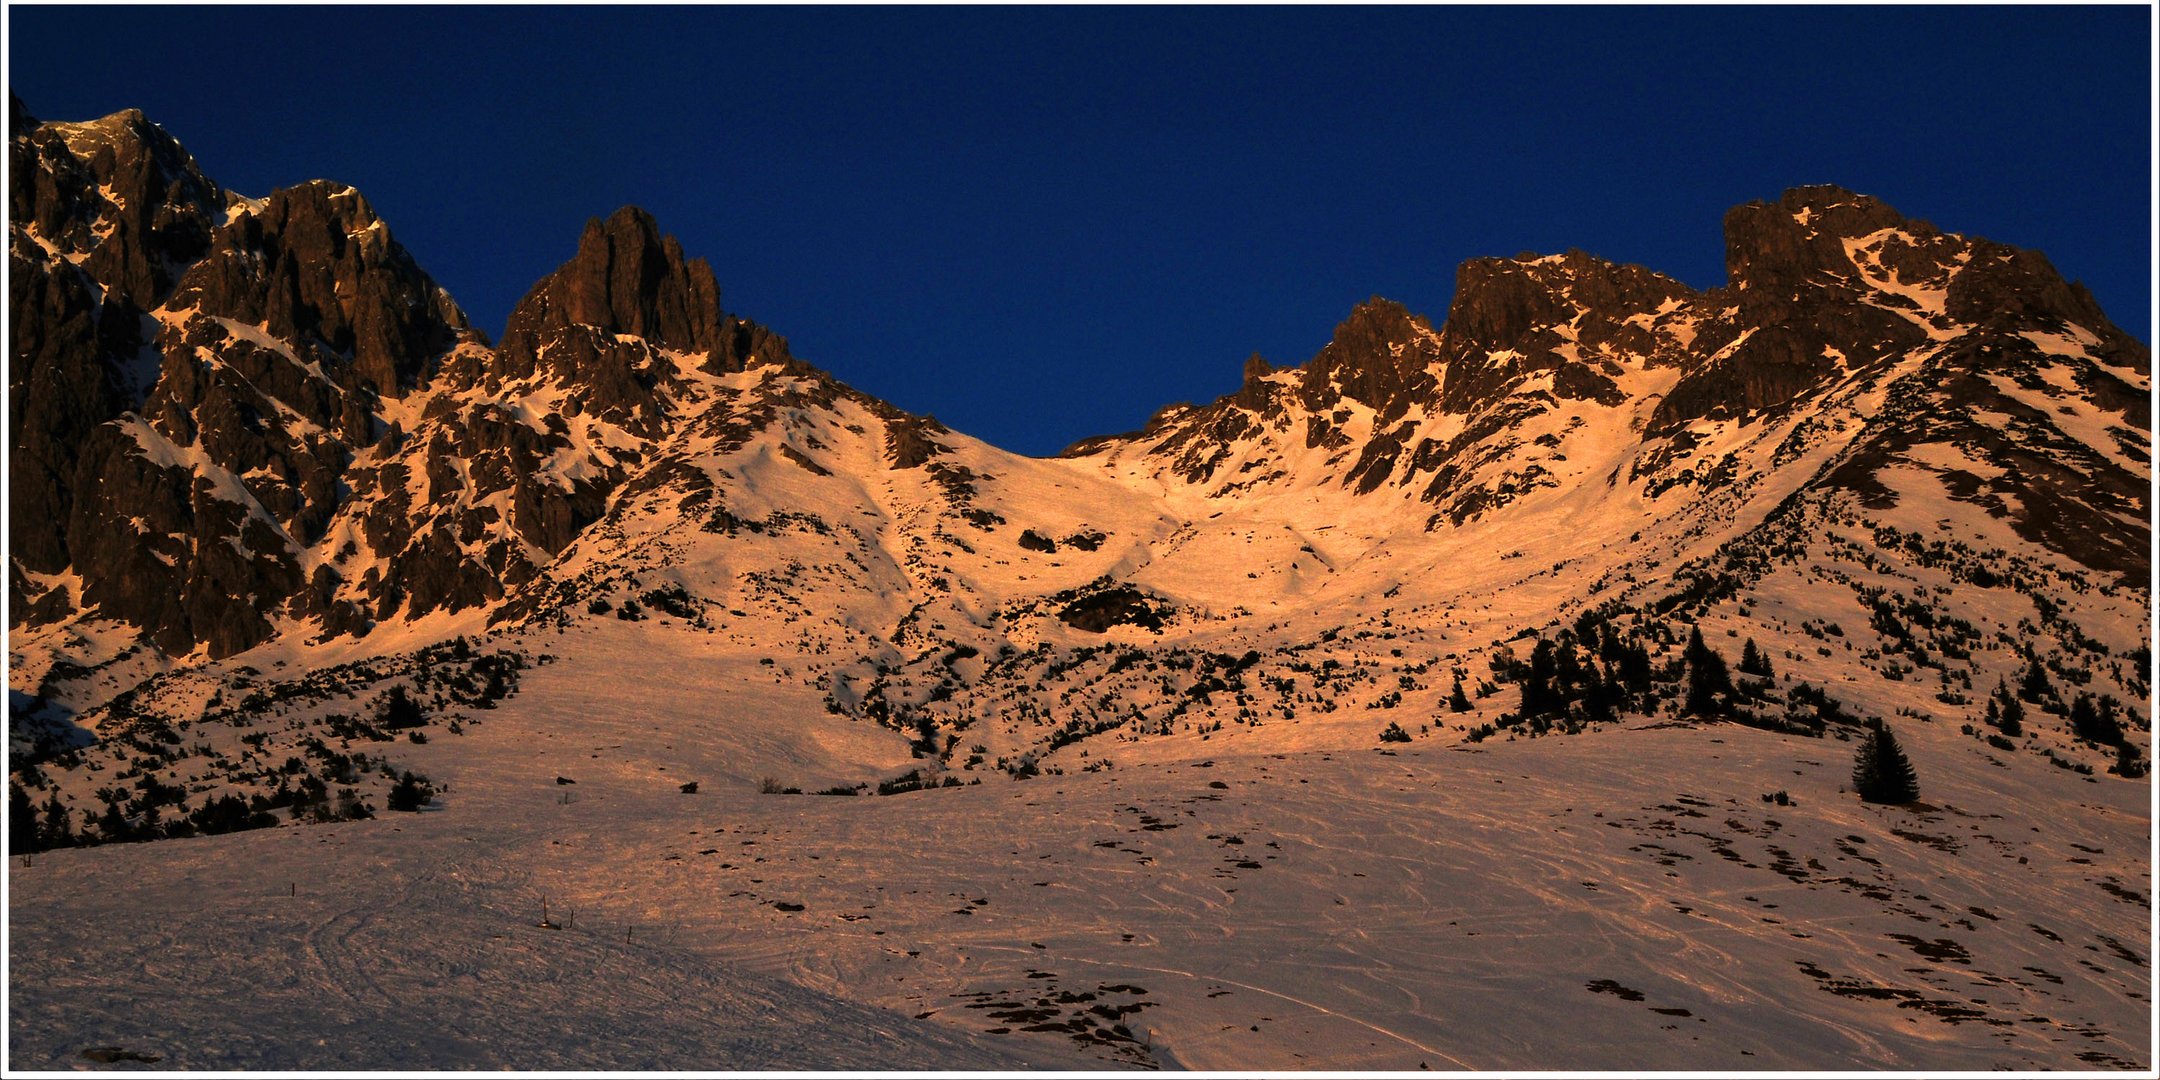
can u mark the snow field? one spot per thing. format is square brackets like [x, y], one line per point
[1496, 906]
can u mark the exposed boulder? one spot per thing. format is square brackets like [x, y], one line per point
[1120, 605]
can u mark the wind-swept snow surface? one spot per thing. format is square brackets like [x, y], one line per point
[402, 945]
[1623, 899]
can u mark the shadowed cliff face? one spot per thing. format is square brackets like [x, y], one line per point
[314, 264]
[208, 431]
[195, 373]
[1559, 313]
[103, 214]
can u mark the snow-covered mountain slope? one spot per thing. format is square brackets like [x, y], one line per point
[287, 529]
[1870, 405]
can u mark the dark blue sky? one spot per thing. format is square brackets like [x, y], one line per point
[1042, 224]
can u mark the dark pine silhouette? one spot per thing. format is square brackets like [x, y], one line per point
[1753, 661]
[2096, 722]
[1707, 678]
[1881, 772]
[400, 711]
[410, 794]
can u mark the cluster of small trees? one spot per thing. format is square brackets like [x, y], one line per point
[30, 830]
[2097, 719]
[1588, 673]
[1595, 671]
[158, 812]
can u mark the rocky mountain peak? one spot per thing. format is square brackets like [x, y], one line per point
[1498, 302]
[1785, 244]
[1552, 312]
[2003, 283]
[20, 120]
[626, 278]
[313, 262]
[1378, 323]
[116, 194]
[1380, 354]
[104, 216]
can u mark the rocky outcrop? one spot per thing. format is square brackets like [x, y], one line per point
[626, 278]
[521, 447]
[1562, 313]
[1785, 246]
[1824, 282]
[313, 265]
[101, 215]
[204, 385]
[2001, 282]
[61, 385]
[1524, 336]
[118, 196]
[194, 374]
[1829, 291]
[1380, 355]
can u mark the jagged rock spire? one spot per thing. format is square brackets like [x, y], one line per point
[626, 278]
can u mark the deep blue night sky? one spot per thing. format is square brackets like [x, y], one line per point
[1042, 224]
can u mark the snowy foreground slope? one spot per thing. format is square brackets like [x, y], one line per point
[1624, 899]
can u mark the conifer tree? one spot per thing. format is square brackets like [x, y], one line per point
[1567, 672]
[2127, 763]
[2094, 723]
[2010, 711]
[1586, 630]
[2035, 687]
[1881, 772]
[1753, 661]
[400, 711]
[22, 821]
[1610, 647]
[1598, 698]
[57, 831]
[1457, 700]
[1635, 668]
[409, 794]
[113, 824]
[1537, 691]
[1706, 675]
